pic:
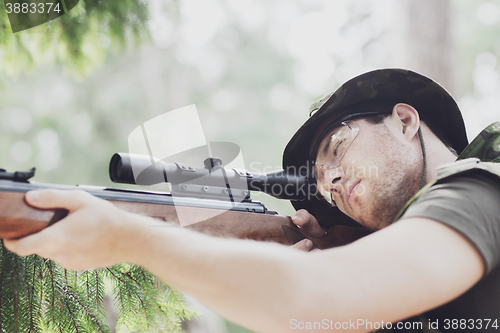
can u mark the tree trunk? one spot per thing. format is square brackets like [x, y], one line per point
[428, 44]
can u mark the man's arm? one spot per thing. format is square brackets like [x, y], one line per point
[403, 270]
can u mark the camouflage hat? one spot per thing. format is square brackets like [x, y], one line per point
[374, 92]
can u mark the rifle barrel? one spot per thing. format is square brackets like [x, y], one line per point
[145, 170]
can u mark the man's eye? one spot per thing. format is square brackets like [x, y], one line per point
[336, 147]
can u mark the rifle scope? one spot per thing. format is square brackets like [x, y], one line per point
[189, 180]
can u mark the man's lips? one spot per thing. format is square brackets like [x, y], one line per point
[350, 191]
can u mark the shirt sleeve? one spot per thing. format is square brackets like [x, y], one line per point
[470, 204]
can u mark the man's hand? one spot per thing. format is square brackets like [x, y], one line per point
[310, 226]
[94, 234]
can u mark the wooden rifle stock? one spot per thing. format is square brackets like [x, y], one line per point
[18, 219]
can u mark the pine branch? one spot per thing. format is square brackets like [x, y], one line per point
[76, 39]
[72, 315]
[162, 312]
[91, 318]
[16, 297]
[90, 290]
[31, 290]
[2, 259]
[37, 295]
[135, 301]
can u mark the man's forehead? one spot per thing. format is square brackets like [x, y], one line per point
[338, 127]
[328, 138]
[334, 121]
[317, 134]
[331, 136]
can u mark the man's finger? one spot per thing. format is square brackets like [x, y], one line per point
[303, 245]
[27, 245]
[70, 200]
[308, 224]
[301, 218]
[13, 246]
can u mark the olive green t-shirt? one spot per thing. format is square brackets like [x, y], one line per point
[470, 204]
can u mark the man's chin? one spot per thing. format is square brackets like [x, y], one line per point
[375, 221]
[373, 226]
[370, 218]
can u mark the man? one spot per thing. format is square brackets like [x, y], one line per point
[371, 145]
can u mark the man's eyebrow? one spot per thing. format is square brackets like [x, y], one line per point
[325, 149]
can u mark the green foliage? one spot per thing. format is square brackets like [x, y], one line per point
[38, 295]
[79, 39]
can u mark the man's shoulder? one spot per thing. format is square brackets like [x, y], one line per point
[457, 171]
[461, 167]
[466, 200]
[485, 146]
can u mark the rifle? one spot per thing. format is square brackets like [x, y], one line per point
[196, 193]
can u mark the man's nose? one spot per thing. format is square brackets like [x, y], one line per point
[332, 179]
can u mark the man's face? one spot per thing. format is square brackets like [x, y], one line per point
[375, 176]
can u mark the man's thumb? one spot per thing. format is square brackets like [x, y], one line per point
[70, 200]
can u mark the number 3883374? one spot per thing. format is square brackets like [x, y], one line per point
[32, 8]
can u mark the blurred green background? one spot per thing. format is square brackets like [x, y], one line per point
[72, 90]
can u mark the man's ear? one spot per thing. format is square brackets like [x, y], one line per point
[407, 120]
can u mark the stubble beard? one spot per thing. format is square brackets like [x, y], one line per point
[396, 183]
[390, 198]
